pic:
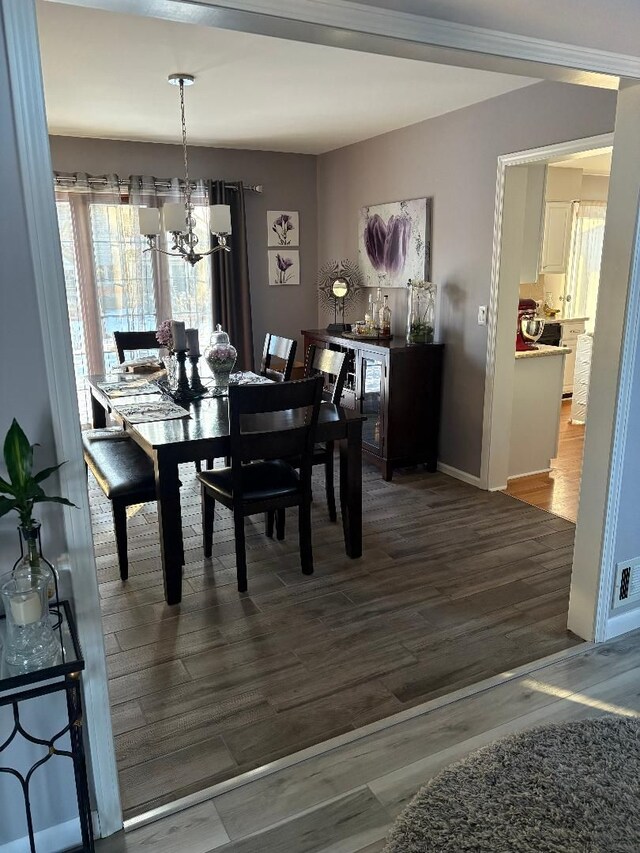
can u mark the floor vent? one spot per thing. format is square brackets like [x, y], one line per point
[627, 582]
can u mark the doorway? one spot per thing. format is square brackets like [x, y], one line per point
[564, 221]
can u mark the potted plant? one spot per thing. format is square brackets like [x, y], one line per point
[22, 490]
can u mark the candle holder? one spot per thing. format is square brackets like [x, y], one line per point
[196, 383]
[183, 393]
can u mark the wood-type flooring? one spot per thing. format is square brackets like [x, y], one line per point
[344, 800]
[455, 585]
[559, 490]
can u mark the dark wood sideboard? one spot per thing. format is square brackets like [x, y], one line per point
[398, 387]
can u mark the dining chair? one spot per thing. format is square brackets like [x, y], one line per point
[332, 366]
[284, 350]
[130, 341]
[266, 423]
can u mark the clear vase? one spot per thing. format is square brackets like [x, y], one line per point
[421, 310]
[171, 366]
[220, 357]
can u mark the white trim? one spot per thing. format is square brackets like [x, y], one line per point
[460, 475]
[350, 737]
[608, 625]
[495, 430]
[323, 20]
[27, 95]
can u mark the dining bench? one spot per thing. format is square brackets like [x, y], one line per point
[125, 474]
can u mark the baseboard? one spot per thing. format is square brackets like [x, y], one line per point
[460, 475]
[622, 623]
[63, 836]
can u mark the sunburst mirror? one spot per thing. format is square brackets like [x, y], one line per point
[339, 284]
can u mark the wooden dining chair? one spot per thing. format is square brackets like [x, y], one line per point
[284, 351]
[266, 423]
[332, 366]
[131, 341]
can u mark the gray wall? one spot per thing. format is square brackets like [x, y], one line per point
[453, 158]
[24, 394]
[289, 183]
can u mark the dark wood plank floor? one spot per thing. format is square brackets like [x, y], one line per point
[455, 585]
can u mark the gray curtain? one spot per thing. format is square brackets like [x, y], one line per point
[231, 292]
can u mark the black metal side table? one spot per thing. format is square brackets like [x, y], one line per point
[17, 686]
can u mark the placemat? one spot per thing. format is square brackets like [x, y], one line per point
[128, 389]
[162, 410]
[247, 377]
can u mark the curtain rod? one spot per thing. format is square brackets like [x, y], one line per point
[158, 184]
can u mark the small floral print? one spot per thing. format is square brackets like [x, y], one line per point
[283, 275]
[164, 336]
[281, 227]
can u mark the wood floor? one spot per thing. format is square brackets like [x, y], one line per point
[559, 490]
[455, 585]
[344, 800]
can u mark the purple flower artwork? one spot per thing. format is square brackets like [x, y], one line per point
[284, 267]
[283, 228]
[395, 241]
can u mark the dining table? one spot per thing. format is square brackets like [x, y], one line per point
[204, 434]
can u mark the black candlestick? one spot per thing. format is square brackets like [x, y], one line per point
[196, 384]
[183, 394]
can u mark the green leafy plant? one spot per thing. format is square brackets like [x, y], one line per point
[23, 489]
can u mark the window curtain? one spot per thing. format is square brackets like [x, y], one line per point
[583, 278]
[231, 294]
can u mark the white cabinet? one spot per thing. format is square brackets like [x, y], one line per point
[570, 333]
[532, 228]
[557, 236]
[581, 378]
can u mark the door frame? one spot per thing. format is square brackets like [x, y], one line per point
[500, 321]
[338, 23]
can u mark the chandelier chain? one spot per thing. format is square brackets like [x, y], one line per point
[184, 147]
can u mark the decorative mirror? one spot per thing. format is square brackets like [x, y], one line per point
[338, 288]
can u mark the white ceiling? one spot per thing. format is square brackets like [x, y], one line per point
[591, 162]
[105, 76]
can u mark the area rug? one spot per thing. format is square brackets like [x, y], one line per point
[571, 788]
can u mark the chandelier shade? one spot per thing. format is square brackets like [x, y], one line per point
[177, 217]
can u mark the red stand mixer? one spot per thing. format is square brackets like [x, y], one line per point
[529, 327]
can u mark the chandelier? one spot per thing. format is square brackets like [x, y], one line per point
[177, 218]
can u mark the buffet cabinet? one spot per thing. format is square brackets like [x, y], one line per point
[398, 387]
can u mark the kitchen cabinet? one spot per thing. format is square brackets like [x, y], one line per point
[398, 387]
[558, 216]
[571, 330]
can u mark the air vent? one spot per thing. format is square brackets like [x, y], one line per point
[627, 583]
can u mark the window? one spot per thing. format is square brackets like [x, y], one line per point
[114, 284]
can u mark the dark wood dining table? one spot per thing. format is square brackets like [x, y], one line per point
[205, 435]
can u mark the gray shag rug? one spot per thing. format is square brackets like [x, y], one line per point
[571, 788]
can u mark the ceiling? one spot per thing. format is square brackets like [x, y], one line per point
[105, 77]
[591, 162]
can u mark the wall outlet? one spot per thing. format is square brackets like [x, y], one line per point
[482, 315]
[627, 589]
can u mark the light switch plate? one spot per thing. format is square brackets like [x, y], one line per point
[482, 315]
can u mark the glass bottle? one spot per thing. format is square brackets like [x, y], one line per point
[368, 317]
[385, 318]
[31, 560]
[377, 308]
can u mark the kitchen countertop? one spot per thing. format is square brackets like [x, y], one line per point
[542, 351]
[559, 319]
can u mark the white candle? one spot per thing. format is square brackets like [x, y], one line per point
[174, 217]
[220, 219]
[27, 609]
[149, 220]
[179, 336]
[193, 344]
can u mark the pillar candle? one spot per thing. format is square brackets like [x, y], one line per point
[179, 336]
[193, 344]
[27, 609]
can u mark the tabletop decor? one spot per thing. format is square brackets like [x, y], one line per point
[338, 287]
[394, 242]
[220, 356]
[32, 582]
[164, 337]
[140, 413]
[421, 311]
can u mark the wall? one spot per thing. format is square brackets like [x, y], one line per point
[595, 187]
[289, 183]
[24, 394]
[453, 158]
